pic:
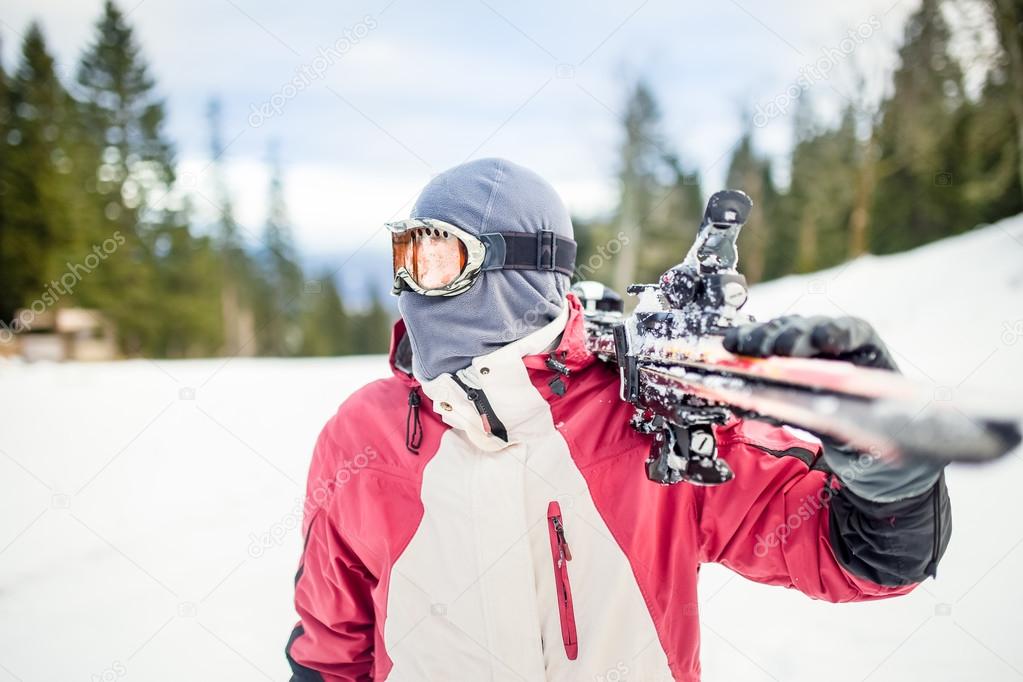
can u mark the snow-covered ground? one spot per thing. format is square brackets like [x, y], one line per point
[149, 510]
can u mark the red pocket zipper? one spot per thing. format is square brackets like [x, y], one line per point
[561, 555]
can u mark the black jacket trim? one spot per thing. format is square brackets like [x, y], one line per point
[805, 456]
[300, 673]
[305, 545]
[891, 543]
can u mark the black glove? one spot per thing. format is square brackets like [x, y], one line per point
[853, 340]
[842, 338]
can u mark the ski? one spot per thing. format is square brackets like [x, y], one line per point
[682, 381]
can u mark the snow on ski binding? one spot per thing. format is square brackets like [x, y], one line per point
[681, 380]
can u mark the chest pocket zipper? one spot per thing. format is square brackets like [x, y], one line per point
[561, 556]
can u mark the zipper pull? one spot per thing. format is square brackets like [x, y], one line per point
[559, 528]
[556, 365]
[557, 384]
[474, 398]
[413, 425]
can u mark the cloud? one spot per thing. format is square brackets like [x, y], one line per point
[434, 84]
[338, 208]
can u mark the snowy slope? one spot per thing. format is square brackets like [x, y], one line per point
[952, 313]
[148, 511]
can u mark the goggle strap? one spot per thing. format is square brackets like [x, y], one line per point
[542, 251]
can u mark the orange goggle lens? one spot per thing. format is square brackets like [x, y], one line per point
[432, 257]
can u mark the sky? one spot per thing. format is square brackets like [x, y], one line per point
[367, 100]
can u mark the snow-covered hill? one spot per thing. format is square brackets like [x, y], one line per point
[149, 510]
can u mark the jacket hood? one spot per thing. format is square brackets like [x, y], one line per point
[501, 306]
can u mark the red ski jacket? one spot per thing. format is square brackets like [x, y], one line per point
[549, 555]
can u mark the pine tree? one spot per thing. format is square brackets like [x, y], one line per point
[989, 165]
[372, 328]
[588, 263]
[129, 179]
[227, 229]
[326, 326]
[670, 224]
[992, 128]
[1008, 20]
[822, 191]
[865, 179]
[660, 203]
[37, 232]
[640, 158]
[278, 309]
[9, 293]
[186, 278]
[918, 196]
[238, 279]
[751, 173]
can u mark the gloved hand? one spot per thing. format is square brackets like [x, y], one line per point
[839, 338]
[853, 340]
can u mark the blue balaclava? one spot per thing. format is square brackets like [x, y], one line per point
[487, 195]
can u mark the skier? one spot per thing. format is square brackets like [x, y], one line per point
[484, 512]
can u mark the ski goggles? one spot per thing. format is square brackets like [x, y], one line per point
[435, 258]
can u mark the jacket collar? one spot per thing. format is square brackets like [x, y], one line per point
[399, 346]
[571, 350]
[504, 377]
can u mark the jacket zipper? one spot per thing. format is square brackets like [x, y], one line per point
[491, 422]
[561, 555]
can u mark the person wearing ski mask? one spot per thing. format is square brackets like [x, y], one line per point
[484, 512]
